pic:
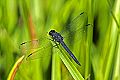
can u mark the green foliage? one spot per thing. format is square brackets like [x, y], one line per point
[97, 48]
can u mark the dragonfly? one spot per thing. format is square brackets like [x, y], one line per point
[77, 26]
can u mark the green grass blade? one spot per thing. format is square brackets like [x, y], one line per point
[70, 66]
[56, 69]
[15, 68]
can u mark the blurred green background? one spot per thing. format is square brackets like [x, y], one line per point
[24, 20]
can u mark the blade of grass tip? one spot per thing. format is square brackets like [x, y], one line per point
[15, 68]
[70, 66]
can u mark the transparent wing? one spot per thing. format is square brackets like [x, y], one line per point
[36, 49]
[77, 24]
[77, 28]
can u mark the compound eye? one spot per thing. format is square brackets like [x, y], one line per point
[52, 31]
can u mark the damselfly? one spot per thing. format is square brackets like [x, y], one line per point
[77, 28]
